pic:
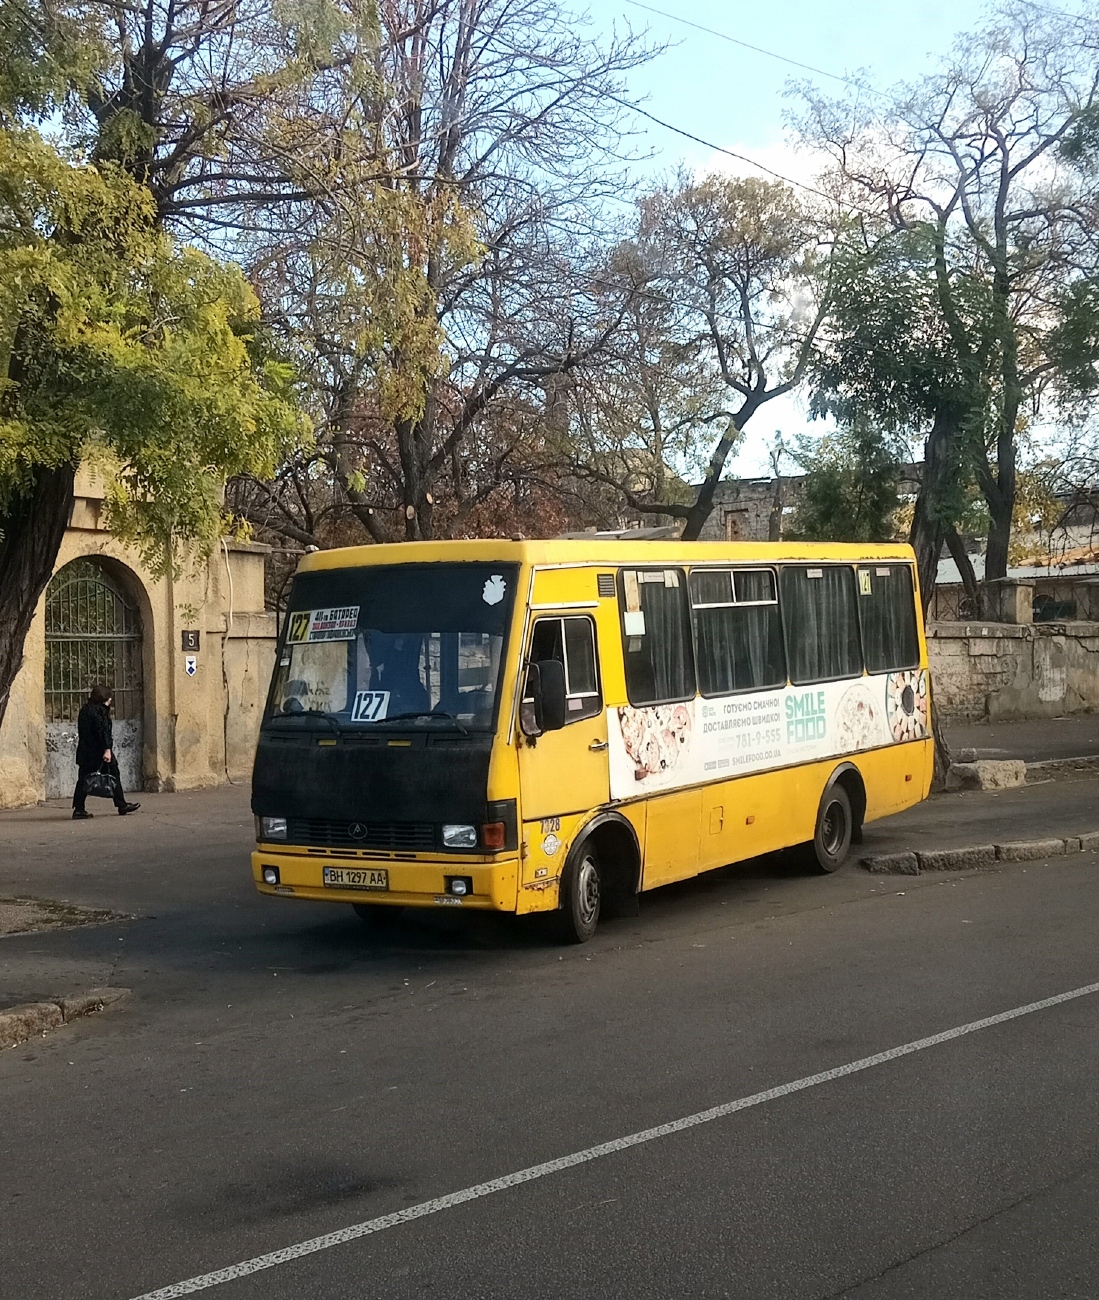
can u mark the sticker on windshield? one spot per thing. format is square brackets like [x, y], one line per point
[323, 625]
[370, 706]
[495, 588]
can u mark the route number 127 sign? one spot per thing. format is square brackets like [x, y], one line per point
[370, 706]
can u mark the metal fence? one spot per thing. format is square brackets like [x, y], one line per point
[950, 604]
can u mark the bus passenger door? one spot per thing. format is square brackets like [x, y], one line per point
[565, 773]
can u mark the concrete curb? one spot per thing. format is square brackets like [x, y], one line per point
[17, 1024]
[1027, 850]
[977, 855]
[1085, 762]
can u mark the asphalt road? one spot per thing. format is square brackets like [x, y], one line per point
[280, 1074]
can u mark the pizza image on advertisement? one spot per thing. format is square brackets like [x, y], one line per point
[655, 738]
[858, 721]
[906, 703]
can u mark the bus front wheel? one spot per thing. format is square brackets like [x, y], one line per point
[581, 898]
[832, 837]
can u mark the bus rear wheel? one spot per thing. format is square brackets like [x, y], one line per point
[832, 837]
[576, 919]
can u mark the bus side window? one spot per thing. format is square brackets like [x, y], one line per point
[656, 636]
[822, 625]
[887, 611]
[571, 641]
[738, 632]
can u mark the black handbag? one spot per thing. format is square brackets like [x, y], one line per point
[100, 785]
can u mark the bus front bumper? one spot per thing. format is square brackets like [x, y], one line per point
[420, 882]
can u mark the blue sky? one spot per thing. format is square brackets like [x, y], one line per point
[735, 98]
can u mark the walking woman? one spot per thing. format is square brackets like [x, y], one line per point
[95, 753]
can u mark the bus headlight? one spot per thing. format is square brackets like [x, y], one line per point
[460, 837]
[272, 828]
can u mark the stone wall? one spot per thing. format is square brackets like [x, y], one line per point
[198, 729]
[1008, 670]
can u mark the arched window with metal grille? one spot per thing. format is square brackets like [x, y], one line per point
[93, 634]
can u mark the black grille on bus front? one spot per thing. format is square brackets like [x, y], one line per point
[409, 836]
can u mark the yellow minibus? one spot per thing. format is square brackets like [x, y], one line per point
[558, 726]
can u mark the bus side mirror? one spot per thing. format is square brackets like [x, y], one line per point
[543, 706]
[549, 699]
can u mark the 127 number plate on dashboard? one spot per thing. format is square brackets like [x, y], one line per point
[356, 878]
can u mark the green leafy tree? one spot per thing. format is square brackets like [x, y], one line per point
[980, 180]
[850, 492]
[887, 354]
[117, 346]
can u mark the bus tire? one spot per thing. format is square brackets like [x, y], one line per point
[577, 917]
[835, 823]
[376, 915]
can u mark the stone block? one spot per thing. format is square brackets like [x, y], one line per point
[892, 864]
[1089, 842]
[987, 774]
[82, 1004]
[976, 855]
[1027, 850]
[1014, 599]
[20, 1023]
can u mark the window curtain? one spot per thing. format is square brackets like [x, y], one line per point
[822, 629]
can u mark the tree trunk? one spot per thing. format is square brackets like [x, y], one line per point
[965, 571]
[942, 749]
[33, 527]
[930, 524]
[1000, 511]
[704, 502]
[930, 519]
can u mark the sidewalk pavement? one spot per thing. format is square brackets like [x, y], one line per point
[1034, 740]
[1054, 804]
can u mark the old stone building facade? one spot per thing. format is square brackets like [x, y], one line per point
[752, 509]
[188, 658]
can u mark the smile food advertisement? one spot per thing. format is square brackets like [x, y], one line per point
[664, 746]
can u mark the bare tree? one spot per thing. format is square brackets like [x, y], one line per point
[487, 136]
[643, 412]
[735, 282]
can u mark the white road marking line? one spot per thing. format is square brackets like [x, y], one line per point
[425, 1208]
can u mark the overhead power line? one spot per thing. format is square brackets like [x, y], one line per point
[1045, 9]
[731, 153]
[756, 49]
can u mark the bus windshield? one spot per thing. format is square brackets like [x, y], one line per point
[407, 645]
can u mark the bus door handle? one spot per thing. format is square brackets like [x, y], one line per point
[597, 746]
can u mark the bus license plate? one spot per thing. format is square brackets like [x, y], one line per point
[356, 878]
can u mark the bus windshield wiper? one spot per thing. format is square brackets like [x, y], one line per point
[330, 718]
[431, 713]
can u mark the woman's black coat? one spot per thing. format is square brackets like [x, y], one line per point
[94, 735]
